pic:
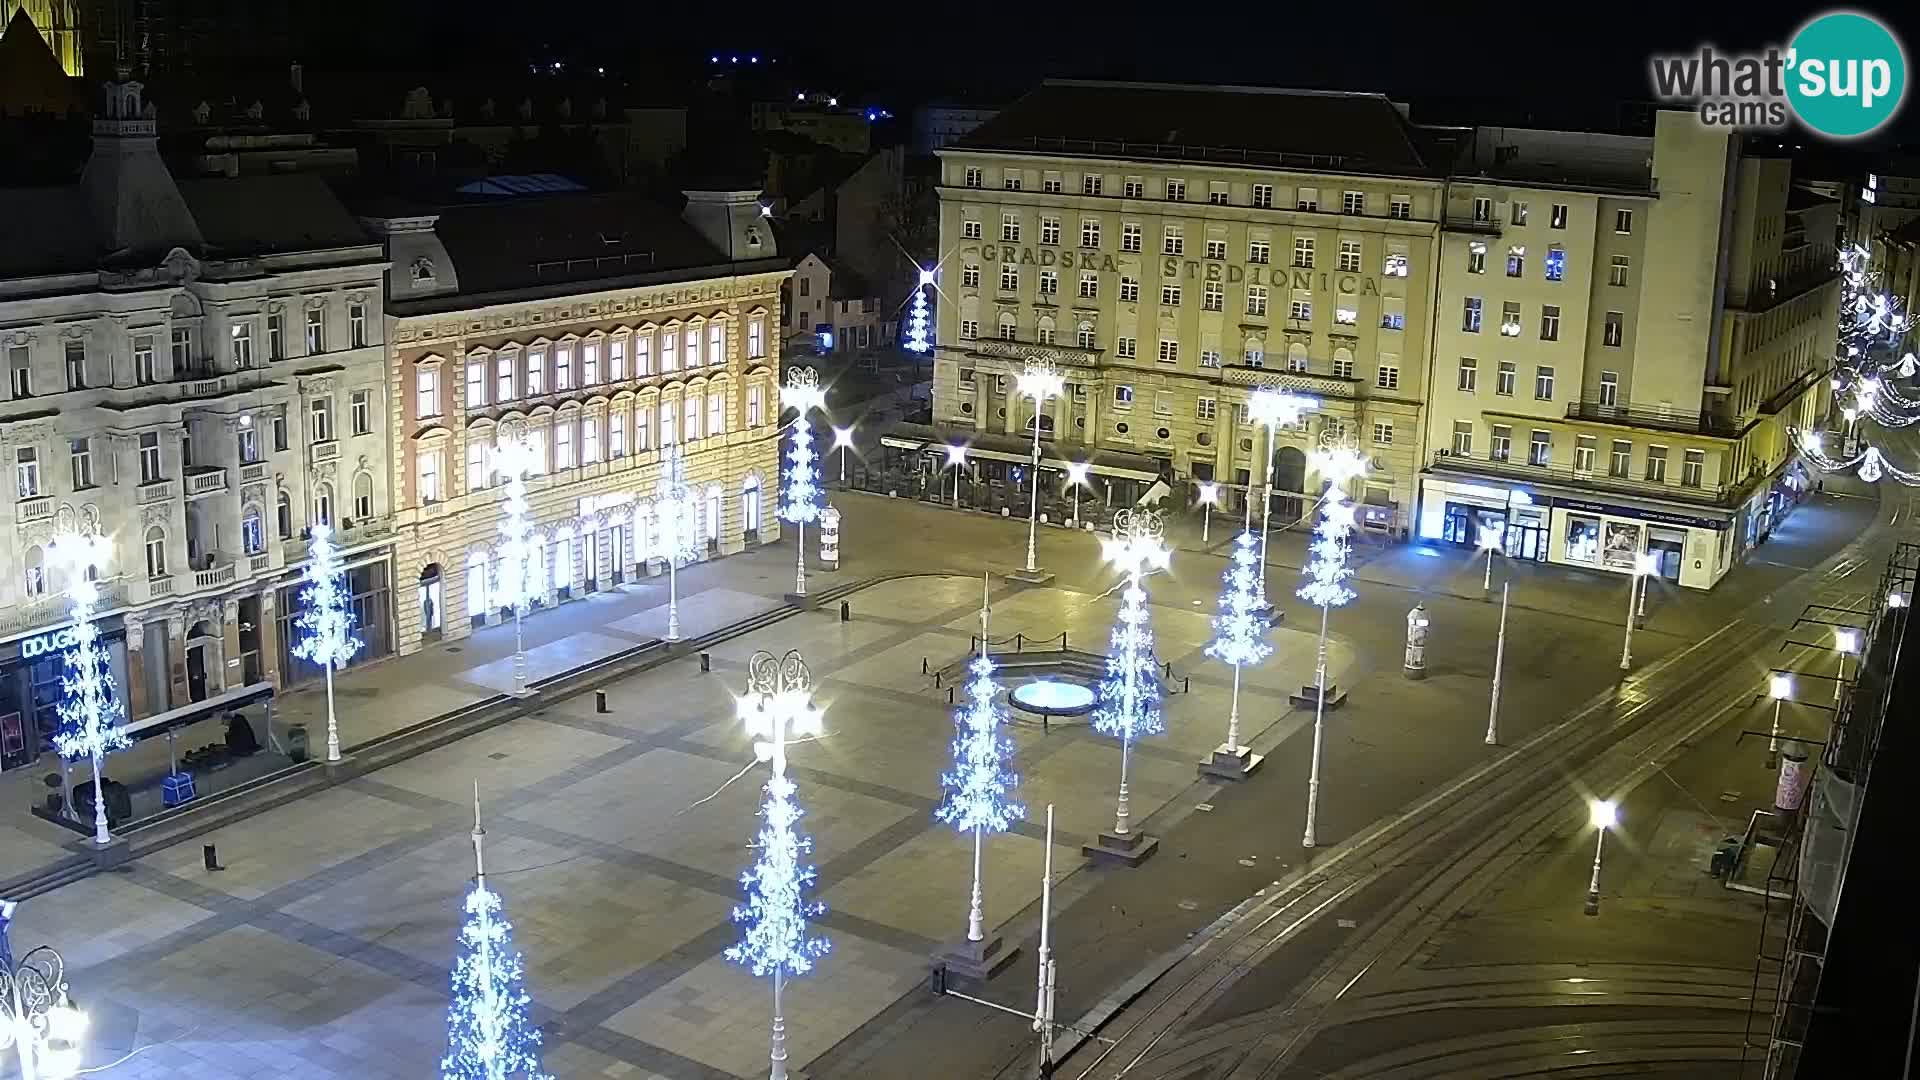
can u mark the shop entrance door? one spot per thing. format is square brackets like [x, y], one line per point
[616, 544]
[1668, 546]
[196, 672]
[1526, 541]
[13, 742]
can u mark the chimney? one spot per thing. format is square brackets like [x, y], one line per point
[733, 222]
[297, 77]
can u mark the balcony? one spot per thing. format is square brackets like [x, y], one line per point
[37, 508]
[1657, 419]
[259, 564]
[1022, 351]
[159, 586]
[205, 480]
[1302, 382]
[1456, 221]
[295, 551]
[156, 491]
[222, 572]
[324, 451]
[1446, 461]
[253, 472]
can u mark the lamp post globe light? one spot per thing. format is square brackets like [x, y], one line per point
[843, 441]
[1339, 462]
[1644, 565]
[956, 457]
[1272, 408]
[1040, 381]
[1604, 815]
[1076, 479]
[1129, 694]
[514, 457]
[1780, 689]
[92, 717]
[38, 1021]
[1489, 541]
[1209, 495]
[802, 393]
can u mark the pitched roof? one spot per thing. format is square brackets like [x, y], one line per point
[48, 230]
[1305, 129]
[269, 215]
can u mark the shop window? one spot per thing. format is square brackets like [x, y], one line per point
[1583, 539]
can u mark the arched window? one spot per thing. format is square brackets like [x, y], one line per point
[563, 559]
[363, 496]
[1296, 356]
[642, 543]
[36, 583]
[323, 504]
[156, 552]
[253, 529]
[1086, 338]
[1343, 363]
[477, 583]
[750, 503]
[1044, 333]
[1256, 353]
[1008, 330]
[283, 514]
[713, 513]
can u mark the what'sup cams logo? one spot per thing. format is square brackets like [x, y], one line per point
[1843, 76]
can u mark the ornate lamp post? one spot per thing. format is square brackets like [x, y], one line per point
[843, 441]
[956, 457]
[514, 456]
[37, 1019]
[1643, 564]
[1209, 495]
[1604, 815]
[1077, 479]
[1271, 409]
[802, 393]
[1040, 381]
[1339, 462]
[675, 510]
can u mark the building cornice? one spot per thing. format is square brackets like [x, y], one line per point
[495, 301]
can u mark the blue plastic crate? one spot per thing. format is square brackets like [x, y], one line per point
[177, 788]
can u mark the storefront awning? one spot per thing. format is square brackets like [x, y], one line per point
[159, 724]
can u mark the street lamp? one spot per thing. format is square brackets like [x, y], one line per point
[1131, 706]
[675, 531]
[1340, 463]
[1896, 600]
[1040, 381]
[1077, 479]
[1604, 815]
[514, 456]
[1780, 689]
[1272, 408]
[1644, 564]
[37, 1019]
[1846, 642]
[1490, 541]
[843, 441]
[956, 457]
[1209, 494]
[801, 392]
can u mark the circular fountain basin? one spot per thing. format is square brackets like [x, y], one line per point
[1054, 697]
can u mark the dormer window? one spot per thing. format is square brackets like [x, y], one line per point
[753, 237]
[422, 271]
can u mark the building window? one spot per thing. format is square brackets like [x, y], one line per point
[1482, 208]
[1044, 332]
[1162, 404]
[1256, 299]
[76, 357]
[1089, 284]
[1613, 330]
[1353, 202]
[756, 338]
[1558, 218]
[426, 395]
[563, 361]
[641, 416]
[1692, 465]
[669, 351]
[693, 346]
[1400, 206]
[590, 363]
[1387, 377]
[283, 514]
[1170, 295]
[1123, 397]
[1089, 233]
[80, 456]
[253, 530]
[1214, 297]
[1623, 221]
[1263, 196]
[240, 344]
[20, 371]
[323, 503]
[1307, 199]
[1010, 180]
[1216, 249]
[1543, 383]
[1209, 358]
[27, 471]
[181, 347]
[1086, 337]
[479, 476]
[1463, 438]
[1176, 191]
[1259, 251]
[1204, 409]
[363, 495]
[1349, 256]
[1470, 315]
[1008, 330]
[1130, 237]
[1129, 290]
[1550, 322]
[1500, 446]
[1255, 354]
[1172, 241]
[1134, 188]
[1346, 316]
[617, 434]
[1396, 263]
[1516, 260]
[969, 329]
[1476, 257]
[974, 178]
[1050, 231]
[1303, 252]
[504, 366]
[1300, 310]
[1504, 378]
[156, 552]
[1217, 194]
[1621, 459]
[1510, 318]
[430, 476]
[1656, 464]
[1583, 454]
[643, 354]
[144, 371]
[1583, 539]
[1556, 263]
[1169, 351]
[1342, 364]
[280, 430]
[1609, 389]
[969, 230]
[1010, 228]
[247, 443]
[970, 276]
[1383, 433]
[149, 457]
[277, 336]
[316, 331]
[1009, 277]
[1049, 282]
[1124, 348]
[1519, 211]
[1297, 357]
[320, 420]
[1540, 448]
[1469, 380]
[476, 383]
[360, 411]
[1617, 269]
[1090, 184]
[1050, 184]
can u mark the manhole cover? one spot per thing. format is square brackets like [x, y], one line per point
[499, 756]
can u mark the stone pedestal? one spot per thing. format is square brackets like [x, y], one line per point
[1231, 763]
[1129, 850]
[976, 960]
[1037, 576]
[105, 858]
[1309, 697]
[1269, 614]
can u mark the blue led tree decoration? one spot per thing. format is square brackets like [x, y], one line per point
[326, 619]
[490, 1035]
[980, 785]
[1326, 586]
[775, 938]
[92, 719]
[1240, 639]
[802, 504]
[919, 327]
[1129, 695]
[676, 517]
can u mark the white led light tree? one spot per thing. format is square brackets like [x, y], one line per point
[776, 939]
[919, 320]
[1239, 639]
[1339, 463]
[802, 393]
[515, 457]
[490, 1031]
[1129, 695]
[326, 619]
[676, 528]
[980, 785]
[1272, 409]
[92, 717]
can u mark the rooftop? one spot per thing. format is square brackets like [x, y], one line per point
[1279, 128]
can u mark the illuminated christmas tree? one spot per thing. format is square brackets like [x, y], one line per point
[490, 1032]
[326, 619]
[980, 785]
[92, 719]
